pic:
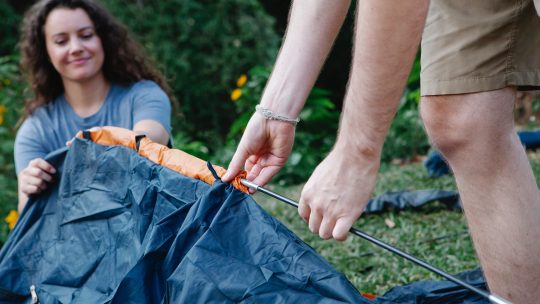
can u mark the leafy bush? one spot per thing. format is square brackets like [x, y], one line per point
[9, 22]
[202, 46]
[11, 104]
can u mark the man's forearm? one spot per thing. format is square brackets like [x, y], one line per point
[387, 38]
[312, 29]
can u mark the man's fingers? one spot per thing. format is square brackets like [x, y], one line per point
[253, 171]
[315, 219]
[342, 227]
[304, 211]
[235, 166]
[250, 162]
[265, 175]
[327, 226]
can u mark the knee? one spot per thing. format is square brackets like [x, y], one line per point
[466, 124]
[448, 129]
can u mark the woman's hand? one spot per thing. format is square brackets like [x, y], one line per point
[34, 179]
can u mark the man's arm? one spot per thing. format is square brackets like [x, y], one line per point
[312, 29]
[266, 145]
[387, 38]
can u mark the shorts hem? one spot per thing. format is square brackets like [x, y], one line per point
[479, 84]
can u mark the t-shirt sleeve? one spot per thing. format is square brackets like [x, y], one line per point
[28, 145]
[151, 102]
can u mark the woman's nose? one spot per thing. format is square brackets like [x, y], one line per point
[75, 46]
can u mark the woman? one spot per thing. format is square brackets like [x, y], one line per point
[84, 71]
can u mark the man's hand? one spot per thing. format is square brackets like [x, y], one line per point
[337, 193]
[263, 150]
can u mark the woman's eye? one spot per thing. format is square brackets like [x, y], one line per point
[60, 42]
[87, 36]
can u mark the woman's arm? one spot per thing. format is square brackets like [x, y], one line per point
[153, 130]
[152, 112]
[33, 173]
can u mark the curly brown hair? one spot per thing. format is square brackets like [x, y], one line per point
[125, 61]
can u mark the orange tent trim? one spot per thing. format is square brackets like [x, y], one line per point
[174, 159]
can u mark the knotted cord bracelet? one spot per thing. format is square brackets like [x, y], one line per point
[268, 114]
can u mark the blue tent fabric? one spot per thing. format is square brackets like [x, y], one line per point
[401, 200]
[117, 228]
[530, 139]
[436, 165]
[437, 292]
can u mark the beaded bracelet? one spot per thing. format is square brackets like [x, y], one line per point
[268, 114]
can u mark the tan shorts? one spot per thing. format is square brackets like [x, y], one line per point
[473, 46]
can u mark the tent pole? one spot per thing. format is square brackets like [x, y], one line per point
[491, 297]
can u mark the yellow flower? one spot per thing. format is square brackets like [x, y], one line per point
[241, 81]
[11, 219]
[2, 111]
[236, 93]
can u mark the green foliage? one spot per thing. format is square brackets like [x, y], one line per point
[202, 47]
[194, 147]
[11, 102]
[315, 133]
[406, 138]
[9, 22]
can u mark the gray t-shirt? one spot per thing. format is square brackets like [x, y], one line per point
[51, 126]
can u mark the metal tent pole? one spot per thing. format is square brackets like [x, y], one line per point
[491, 297]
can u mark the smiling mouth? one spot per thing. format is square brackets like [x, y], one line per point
[79, 61]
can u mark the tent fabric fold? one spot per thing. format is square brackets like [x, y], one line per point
[402, 200]
[435, 292]
[176, 160]
[119, 228]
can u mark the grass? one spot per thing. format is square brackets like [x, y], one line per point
[434, 233]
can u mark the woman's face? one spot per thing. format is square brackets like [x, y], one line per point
[73, 46]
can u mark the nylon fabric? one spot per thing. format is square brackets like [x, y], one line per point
[119, 228]
[173, 159]
[437, 292]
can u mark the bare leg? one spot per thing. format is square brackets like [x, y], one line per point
[475, 132]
